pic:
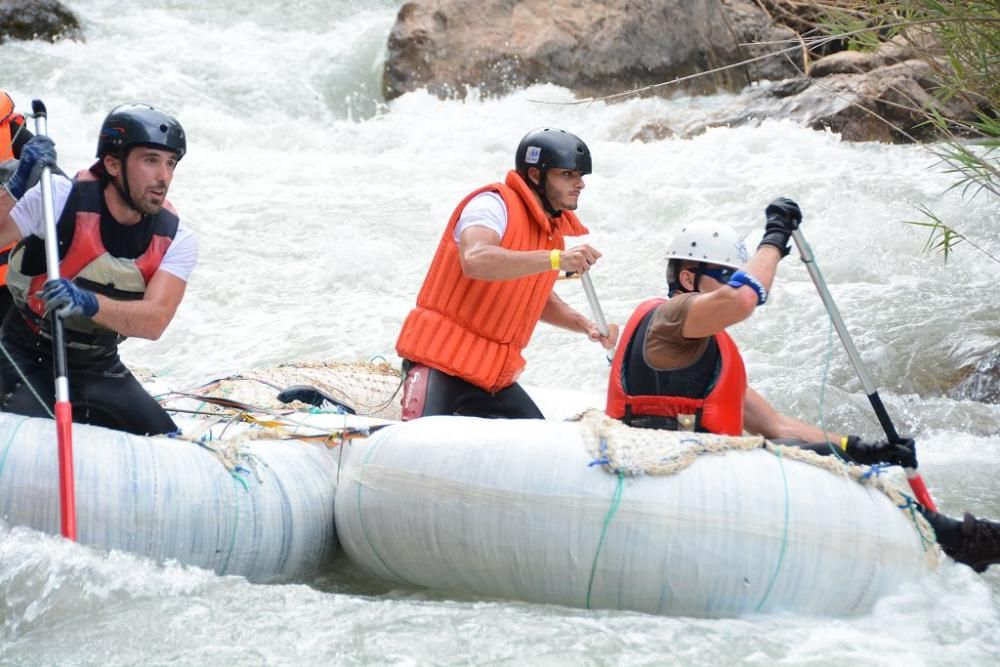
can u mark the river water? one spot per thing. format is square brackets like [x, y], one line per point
[318, 207]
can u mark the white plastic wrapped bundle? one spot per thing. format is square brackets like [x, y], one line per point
[171, 499]
[514, 509]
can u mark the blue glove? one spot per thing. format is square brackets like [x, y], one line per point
[783, 217]
[65, 299]
[38, 153]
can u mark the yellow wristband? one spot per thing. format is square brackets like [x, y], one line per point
[554, 258]
[843, 443]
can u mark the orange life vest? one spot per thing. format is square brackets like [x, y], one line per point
[721, 411]
[10, 122]
[476, 329]
[4, 260]
[8, 129]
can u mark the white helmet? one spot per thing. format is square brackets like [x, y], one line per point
[708, 242]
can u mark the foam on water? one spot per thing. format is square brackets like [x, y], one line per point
[318, 208]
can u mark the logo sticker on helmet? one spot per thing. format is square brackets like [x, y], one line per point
[532, 155]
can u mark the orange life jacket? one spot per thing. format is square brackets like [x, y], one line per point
[4, 260]
[10, 122]
[476, 329]
[721, 411]
[9, 126]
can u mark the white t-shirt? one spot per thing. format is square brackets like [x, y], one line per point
[179, 260]
[487, 209]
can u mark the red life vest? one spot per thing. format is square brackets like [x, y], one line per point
[87, 263]
[721, 411]
[476, 329]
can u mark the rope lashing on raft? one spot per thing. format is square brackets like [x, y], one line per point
[368, 389]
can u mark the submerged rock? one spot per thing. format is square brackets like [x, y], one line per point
[983, 384]
[37, 19]
[592, 48]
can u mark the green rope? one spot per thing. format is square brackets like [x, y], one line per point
[236, 525]
[10, 440]
[821, 419]
[784, 537]
[615, 502]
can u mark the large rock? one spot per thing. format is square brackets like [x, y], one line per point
[37, 19]
[861, 96]
[591, 47]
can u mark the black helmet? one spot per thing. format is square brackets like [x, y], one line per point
[552, 148]
[131, 125]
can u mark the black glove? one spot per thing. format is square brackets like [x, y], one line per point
[902, 453]
[38, 153]
[65, 299]
[783, 216]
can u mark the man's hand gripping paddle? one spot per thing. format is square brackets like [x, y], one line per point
[914, 478]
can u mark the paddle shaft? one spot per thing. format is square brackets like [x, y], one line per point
[916, 482]
[63, 407]
[595, 305]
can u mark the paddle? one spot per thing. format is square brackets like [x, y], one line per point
[64, 409]
[595, 305]
[915, 480]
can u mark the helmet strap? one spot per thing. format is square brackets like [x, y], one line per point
[699, 270]
[539, 189]
[123, 190]
[676, 287]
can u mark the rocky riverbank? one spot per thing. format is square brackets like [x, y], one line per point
[609, 47]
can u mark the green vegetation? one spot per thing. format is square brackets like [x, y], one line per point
[960, 41]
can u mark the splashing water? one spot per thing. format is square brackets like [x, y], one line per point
[318, 208]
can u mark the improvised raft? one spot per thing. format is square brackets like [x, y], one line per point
[587, 513]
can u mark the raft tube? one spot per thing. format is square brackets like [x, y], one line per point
[269, 517]
[521, 510]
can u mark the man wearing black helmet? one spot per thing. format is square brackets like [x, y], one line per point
[491, 282]
[125, 258]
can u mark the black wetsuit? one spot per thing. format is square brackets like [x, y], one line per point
[438, 393]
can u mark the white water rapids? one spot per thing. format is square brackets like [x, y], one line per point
[318, 208]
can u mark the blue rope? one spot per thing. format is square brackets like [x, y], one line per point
[875, 470]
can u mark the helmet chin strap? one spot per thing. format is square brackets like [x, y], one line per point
[697, 275]
[125, 192]
[540, 190]
[676, 287]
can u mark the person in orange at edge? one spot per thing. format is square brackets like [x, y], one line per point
[13, 136]
[677, 369]
[491, 282]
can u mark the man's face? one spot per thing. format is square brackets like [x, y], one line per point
[563, 188]
[150, 171]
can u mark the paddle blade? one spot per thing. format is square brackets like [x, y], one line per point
[920, 490]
